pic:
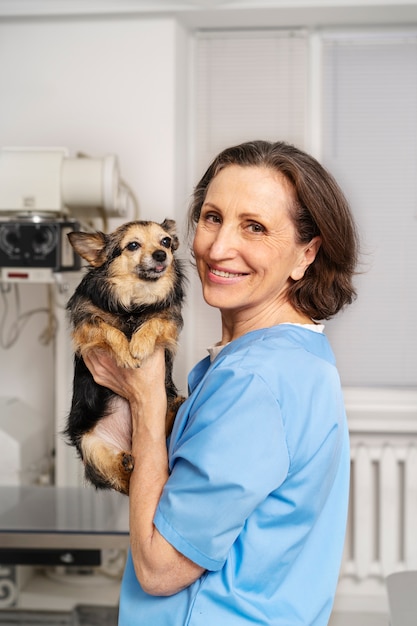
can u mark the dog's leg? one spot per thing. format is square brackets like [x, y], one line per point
[106, 467]
[102, 336]
[99, 425]
[105, 449]
[173, 406]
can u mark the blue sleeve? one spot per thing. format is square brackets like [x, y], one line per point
[230, 456]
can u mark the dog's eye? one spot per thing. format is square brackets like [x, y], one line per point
[166, 242]
[132, 246]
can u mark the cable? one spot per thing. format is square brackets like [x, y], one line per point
[16, 328]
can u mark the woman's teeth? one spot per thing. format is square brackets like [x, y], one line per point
[224, 274]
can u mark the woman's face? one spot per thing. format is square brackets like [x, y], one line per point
[245, 243]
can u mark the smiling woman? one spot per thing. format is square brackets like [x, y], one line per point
[316, 206]
[248, 504]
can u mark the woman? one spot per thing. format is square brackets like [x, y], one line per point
[242, 520]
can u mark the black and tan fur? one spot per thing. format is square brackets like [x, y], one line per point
[128, 303]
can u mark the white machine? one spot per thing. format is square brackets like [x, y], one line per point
[49, 181]
[41, 192]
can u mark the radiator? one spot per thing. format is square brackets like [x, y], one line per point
[381, 533]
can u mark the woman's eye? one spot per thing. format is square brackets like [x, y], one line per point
[212, 217]
[256, 228]
[133, 245]
[166, 242]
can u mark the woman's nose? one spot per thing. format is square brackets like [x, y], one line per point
[224, 243]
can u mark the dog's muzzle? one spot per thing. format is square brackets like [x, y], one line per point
[153, 267]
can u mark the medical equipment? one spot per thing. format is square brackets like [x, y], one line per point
[43, 193]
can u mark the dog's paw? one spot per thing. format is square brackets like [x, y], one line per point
[125, 469]
[138, 355]
[142, 344]
[128, 462]
[128, 360]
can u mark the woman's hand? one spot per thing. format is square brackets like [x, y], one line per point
[126, 382]
[143, 387]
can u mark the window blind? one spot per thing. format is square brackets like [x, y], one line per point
[370, 144]
[248, 85]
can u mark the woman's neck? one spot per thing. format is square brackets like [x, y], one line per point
[235, 325]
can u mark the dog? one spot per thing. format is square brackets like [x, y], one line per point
[128, 302]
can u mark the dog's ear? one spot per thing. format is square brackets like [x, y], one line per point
[171, 227]
[90, 246]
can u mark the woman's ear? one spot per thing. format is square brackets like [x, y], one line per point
[307, 256]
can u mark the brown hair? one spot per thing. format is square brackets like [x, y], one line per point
[320, 208]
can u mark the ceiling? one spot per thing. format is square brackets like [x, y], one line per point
[201, 14]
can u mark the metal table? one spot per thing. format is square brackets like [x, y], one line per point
[60, 525]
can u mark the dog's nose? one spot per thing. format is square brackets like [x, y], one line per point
[159, 255]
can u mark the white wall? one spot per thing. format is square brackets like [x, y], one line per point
[97, 85]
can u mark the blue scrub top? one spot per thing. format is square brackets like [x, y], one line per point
[258, 489]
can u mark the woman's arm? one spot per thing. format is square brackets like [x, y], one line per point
[160, 568]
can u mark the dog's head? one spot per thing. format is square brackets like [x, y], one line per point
[137, 258]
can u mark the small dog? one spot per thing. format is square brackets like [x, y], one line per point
[128, 303]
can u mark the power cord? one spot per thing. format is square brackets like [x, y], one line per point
[10, 337]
